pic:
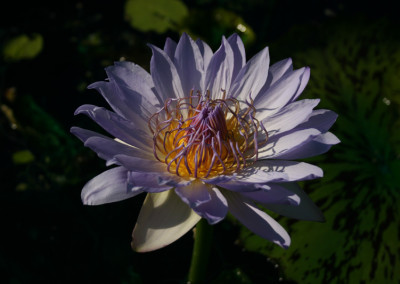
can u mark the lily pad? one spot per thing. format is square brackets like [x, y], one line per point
[23, 47]
[355, 75]
[23, 157]
[155, 15]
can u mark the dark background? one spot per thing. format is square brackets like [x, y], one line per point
[52, 51]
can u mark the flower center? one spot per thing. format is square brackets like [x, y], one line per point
[199, 137]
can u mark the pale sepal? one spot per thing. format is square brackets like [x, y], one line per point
[163, 219]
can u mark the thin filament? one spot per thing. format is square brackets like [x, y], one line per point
[199, 137]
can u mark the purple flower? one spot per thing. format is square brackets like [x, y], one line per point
[206, 134]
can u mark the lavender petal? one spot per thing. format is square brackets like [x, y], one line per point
[189, 65]
[137, 82]
[117, 100]
[264, 171]
[194, 194]
[287, 142]
[252, 77]
[109, 186]
[256, 220]
[214, 210]
[155, 181]
[165, 75]
[170, 47]
[137, 164]
[319, 145]
[107, 148]
[239, 54]
[289, 116]
[272, 98]
[206, 53]
[304, 80]
[306, 210]
[219, 71]
[117, 126]
[277, 70]
[320, 119]
[276, 194]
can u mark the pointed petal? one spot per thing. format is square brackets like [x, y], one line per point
[219, 71]
[274, 195]
[165, 75]
[163, 219]
[206, 52]
[239, 186]
[320, 119]
[106, 148]
[304, 80]
[137, 82]
[264, 171]
[306, 210]
[148, 182]
[239, 54]
[136, 164]
[155, 181]
[278, 95]
[278, 69]
[109, 186]
[214, 210]
[84, 134]
[170, 47]
[327, 138]
[252, 77]
[189, 64]
[289, 116]
[194, 194]
[208, 202]
[247, 181]
[218, 179]
[117, 126]
[130, 92]
[117, 99]
[285, 143]
[317, 146]
[256, 220]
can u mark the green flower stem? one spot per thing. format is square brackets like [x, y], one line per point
[201, 252]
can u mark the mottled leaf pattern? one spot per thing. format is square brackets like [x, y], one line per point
[355, 74]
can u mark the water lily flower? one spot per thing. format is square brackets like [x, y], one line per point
[205, 134]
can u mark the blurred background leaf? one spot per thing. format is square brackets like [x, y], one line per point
[155, 15]
[360, 193]
[23, 47]
[23, 157]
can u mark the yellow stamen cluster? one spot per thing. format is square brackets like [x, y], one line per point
[202, 138]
